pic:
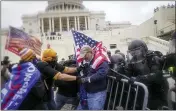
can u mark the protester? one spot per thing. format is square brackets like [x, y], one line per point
[25, 90]
[94, 80]
[52, 71]
[5, 72]
[67, 91]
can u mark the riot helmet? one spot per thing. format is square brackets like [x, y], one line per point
[122, 54]
[117, 51]
[118, 62]
[137, 51]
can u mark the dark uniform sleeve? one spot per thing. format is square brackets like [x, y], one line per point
[46, 69]
[128, 70]
[59, 67]
[155, 75]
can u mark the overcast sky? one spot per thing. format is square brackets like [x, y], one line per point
[135, 12]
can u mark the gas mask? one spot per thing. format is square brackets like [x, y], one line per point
[135, 56]
[119, 67]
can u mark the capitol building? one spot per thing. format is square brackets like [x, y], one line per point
[53, 26]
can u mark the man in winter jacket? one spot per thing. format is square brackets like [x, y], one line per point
[94, 80]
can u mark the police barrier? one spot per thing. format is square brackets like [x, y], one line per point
[124, 96]
[170, 102]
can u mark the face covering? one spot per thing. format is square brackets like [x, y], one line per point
[53, 63]
[135, 56]
[119, 67]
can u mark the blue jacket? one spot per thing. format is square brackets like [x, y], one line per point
[97, 78]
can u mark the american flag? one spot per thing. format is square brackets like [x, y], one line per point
[18, 39]
[100, 52]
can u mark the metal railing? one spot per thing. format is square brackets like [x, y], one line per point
[122, 95]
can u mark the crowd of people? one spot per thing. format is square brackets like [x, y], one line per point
[140, 64]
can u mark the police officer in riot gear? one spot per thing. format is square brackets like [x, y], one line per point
[117, 67]
[118, 52]
[145, 66]
[170, 65]
[118, 63]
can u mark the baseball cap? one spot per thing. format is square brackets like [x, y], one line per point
[84, 50]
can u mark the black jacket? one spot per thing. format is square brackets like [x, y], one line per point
[67, 88]
[35, 98]
[150, 73]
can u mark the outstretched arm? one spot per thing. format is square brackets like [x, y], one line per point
[64, 77]
[49, 72]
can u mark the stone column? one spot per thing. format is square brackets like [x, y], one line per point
[88, 22]
[42, 26]
[60, 24]
[75, 24]
[68, 25]
[53, 24]
[50, 24]
[78, 23]
[85, 22]
[63, 8]
[39, 24]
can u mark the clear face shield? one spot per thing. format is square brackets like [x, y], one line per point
[172, 45]
[135, 56]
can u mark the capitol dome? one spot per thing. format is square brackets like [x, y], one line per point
[64, 5]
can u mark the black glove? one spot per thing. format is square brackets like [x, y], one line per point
[82, 80]
[149, 78]
[118, 78]
[82, 67]
[132, 80]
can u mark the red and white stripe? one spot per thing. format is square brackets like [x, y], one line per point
[32, 43]
[99, 57]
